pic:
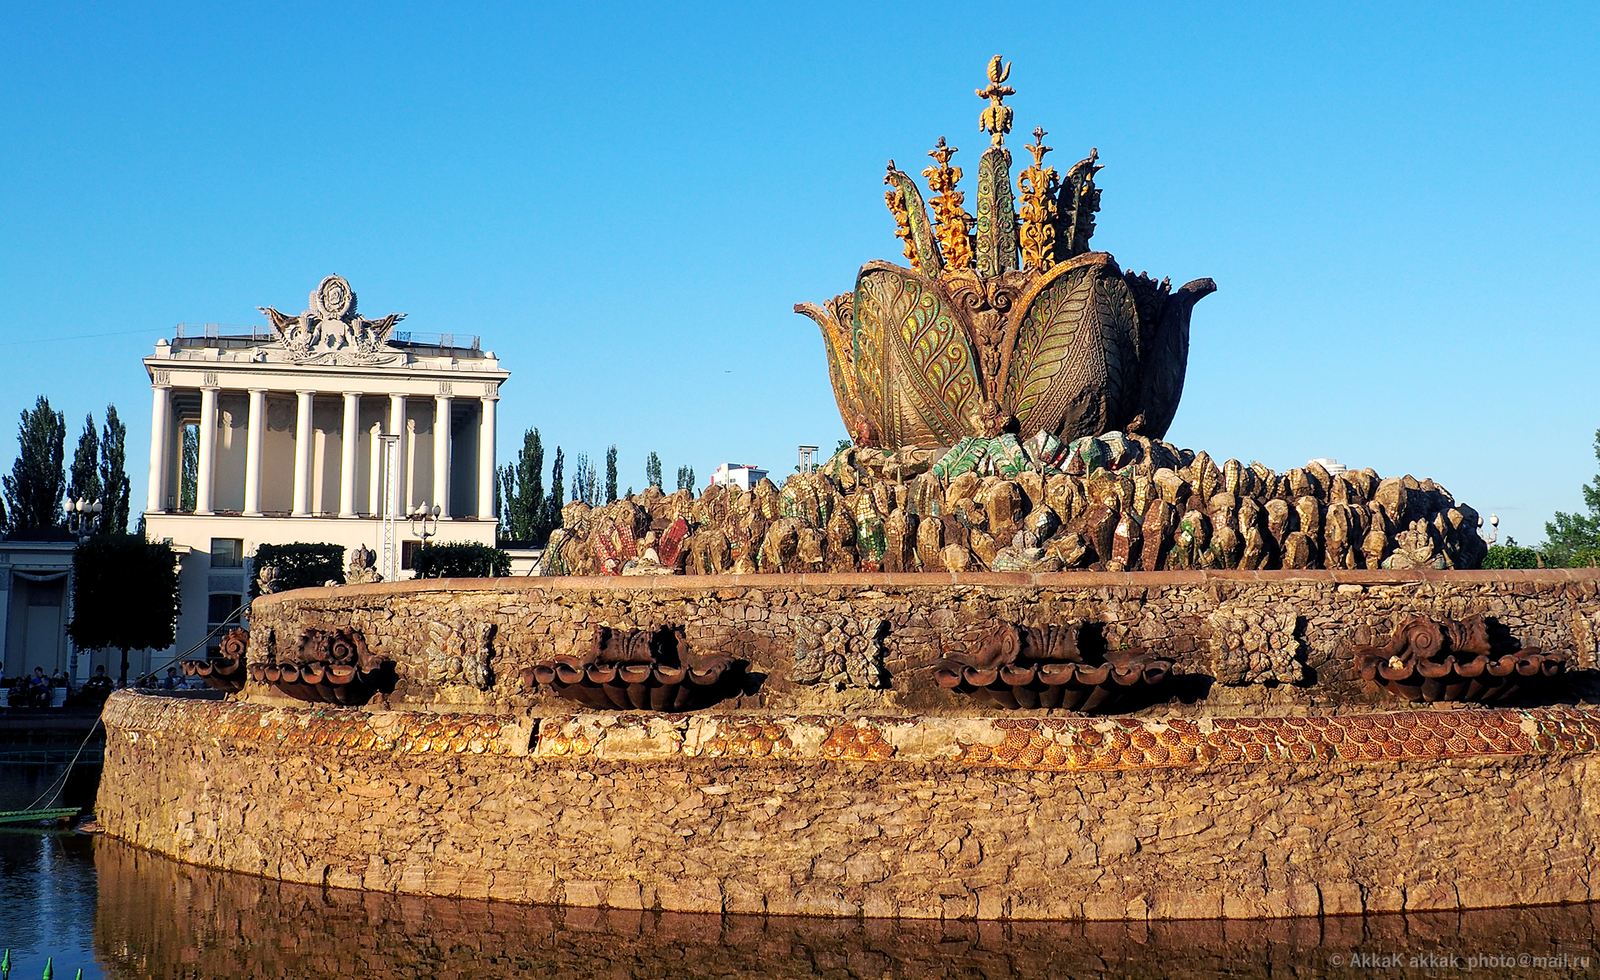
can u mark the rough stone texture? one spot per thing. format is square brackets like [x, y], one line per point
[1239, 638]
[223, 925]
[1285, 789]
[867, 829]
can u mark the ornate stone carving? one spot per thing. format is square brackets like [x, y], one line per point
[840, 651]
[331, 332]
[224, 670]
[329, 666]
[1251, 646]
[267, 580]
[363, 568]
[1042, 667]
[459, 654]
[647, 670]
[961, 344]
[1455, 660]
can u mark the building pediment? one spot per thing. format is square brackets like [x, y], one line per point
[332, 332]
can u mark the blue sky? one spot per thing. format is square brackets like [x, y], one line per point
[1397, 202]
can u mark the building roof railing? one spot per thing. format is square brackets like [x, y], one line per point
[231, 335]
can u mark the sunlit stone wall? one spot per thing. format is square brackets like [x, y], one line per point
[1258, 796]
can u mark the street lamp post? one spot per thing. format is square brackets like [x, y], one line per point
[83, 515]
[424, 522]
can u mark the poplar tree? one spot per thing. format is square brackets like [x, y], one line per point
[611, 475]
[522, 483]
[37, 482]
[113, 474]
[84, 481]
[652, 470]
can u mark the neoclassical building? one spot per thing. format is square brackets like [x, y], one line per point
[294, 430]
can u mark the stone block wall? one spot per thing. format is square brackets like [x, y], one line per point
[1240, 638]
[1271, 785]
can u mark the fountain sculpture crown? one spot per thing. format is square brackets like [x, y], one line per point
[1005, 317]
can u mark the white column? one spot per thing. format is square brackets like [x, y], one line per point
[252, 452]
[441, 453]
[375, 472]
[486, 459]
[302, 454]
[208, 451]
[397, 427]
[160, 424]
[347, 454]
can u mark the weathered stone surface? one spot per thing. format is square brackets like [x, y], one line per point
[829, 816]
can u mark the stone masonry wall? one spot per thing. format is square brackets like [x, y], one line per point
[344, 798]
[1241, 638]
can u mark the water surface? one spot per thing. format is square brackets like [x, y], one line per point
[124, 913]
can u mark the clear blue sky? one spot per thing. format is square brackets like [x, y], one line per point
[1397, 202]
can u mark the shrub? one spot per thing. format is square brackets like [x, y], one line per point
[460, 561]
[300, 565]
[1510, 556]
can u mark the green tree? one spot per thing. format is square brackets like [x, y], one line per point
[189, 485]
[686, 478]
[113, 474]
[652, 471]
[523, 483]
[125, 593]
[1510, 555]
[611, 475]
[37, 482]
[554, 503]
[84, 480]
[1569, 534]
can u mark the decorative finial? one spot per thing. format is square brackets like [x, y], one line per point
[1037, 147]
[996, 119]
[954, 223]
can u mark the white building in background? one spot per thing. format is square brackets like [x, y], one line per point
[741, 475]
[291, 424]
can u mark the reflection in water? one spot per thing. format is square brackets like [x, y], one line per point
[47, 896]
[159, 919]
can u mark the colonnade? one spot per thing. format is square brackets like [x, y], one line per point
[161, 447]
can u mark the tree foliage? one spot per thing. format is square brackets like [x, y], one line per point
[189, 483]
[1510, 555]
[555, 502]
[686, 478]
[611, 475]
[35, 486]
[300, 565]
[83, 481]
[124, 594]
[652, 470]
[585, 482]
[525, 515]
[460, 560]
[1570, 534]
[113, 474]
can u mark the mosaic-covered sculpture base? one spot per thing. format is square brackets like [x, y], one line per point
[1116, 502]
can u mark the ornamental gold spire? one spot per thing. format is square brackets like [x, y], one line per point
[1040, 186]
[996, 119]
[954, 223]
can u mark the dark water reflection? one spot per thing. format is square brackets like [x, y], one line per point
[156, 918]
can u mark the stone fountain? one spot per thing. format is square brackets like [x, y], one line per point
[1010, 655]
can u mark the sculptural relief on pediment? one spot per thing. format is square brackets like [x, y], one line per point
[332, 332]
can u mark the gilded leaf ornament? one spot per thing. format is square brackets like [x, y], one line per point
[972, 340]
[1039, 186]
[953, 223]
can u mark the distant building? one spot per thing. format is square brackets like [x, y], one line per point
[36, 603]
[289, 424]
[741, 475]
[1333, 466]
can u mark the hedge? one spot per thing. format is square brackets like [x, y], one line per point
[300, 565]
[460, 561]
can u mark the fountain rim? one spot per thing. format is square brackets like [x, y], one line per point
[941, 580]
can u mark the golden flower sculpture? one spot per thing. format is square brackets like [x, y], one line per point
[1000, 324]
